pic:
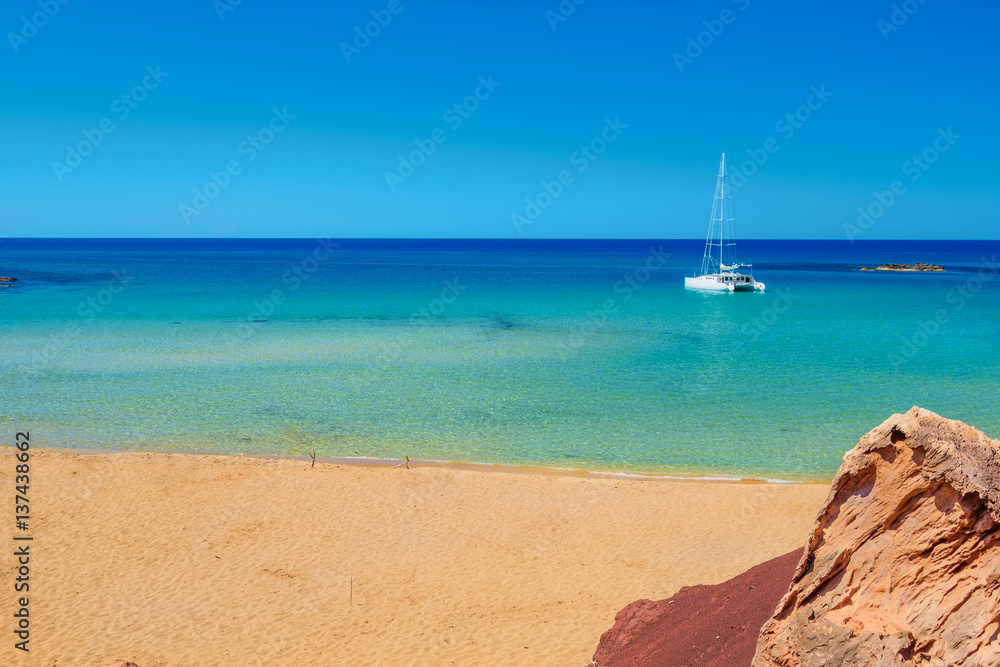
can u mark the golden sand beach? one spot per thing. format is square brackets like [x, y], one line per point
[182, 560]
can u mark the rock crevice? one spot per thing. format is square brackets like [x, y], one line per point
[903, 564]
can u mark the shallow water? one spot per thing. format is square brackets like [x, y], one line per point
[577, 354]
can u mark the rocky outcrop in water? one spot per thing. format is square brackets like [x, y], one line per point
[906, 267]
[708, 626]
[903, 566]
[7, 279]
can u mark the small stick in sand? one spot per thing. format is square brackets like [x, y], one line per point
[314, 457]
[404, 463]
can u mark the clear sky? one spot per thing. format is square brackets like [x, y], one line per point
[310, 118]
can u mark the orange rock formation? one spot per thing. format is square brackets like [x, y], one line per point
[903, 566]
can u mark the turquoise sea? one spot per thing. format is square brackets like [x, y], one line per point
[571, 354]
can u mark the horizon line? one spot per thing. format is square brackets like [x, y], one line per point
[459, 238]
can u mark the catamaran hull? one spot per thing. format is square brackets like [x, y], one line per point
[716, 284]
[707, 284]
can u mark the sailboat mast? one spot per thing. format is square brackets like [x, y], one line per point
[722, 208]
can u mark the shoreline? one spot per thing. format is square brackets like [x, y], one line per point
[374, 462]
[175, 559]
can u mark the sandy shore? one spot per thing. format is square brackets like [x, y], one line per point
[169, 559]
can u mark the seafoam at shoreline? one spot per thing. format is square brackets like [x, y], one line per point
[374, 462]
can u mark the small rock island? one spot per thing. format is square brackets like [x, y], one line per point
[7, 279]
[905, 267]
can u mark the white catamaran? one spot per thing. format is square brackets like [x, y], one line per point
[719, 267]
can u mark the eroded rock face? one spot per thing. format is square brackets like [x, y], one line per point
[903, 566]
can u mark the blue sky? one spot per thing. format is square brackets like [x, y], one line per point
[329, 127]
